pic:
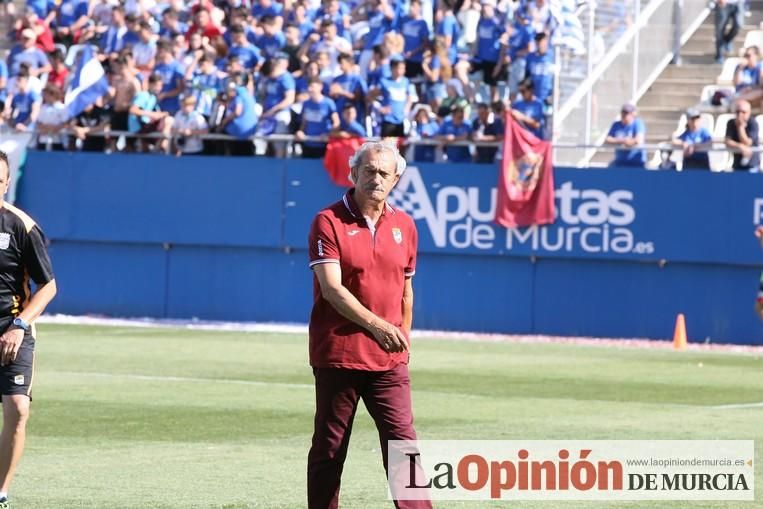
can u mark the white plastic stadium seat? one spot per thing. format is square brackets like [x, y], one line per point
[759, 119]
[726, 77]
[720, 161]
[754, 38]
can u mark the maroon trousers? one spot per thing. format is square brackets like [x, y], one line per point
[387, 396]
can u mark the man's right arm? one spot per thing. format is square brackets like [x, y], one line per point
[387, 335]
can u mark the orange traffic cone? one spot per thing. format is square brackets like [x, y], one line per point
[679, 334]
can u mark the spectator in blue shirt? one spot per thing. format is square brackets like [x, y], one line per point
[747, 73]
[455, 129]
[146, 116]
[518, 39]
[247, 53]
[279, 97]
[205, 84]
[319, 118]
[112, 40]
[380, 18]
[240, 120]
[349, 86]
[349, 127]
[397, 96]
[26, 52]
[450, 31]
[272, 39]
[171, 24]
[486, 128]
[416, 36]
[43, 8]
[425, 128]
[694, 141]
[173, 79]
[629, 132]
[24, 104]
[540, 68]
[262, 8]
[489, 52]
[528, 111]
[71, 16]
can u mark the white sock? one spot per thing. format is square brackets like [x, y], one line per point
[3, 495]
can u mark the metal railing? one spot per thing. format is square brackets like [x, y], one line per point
[624, 71]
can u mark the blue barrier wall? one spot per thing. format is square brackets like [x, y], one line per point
[225, 238]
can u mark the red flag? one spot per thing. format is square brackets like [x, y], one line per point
[525, 179]
[337, 158]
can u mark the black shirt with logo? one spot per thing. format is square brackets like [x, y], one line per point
[23, 257]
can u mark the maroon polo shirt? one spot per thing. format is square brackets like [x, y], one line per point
[375, 263]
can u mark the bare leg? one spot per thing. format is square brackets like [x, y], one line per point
[15, 416]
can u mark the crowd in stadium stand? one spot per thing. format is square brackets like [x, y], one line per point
[443, 70]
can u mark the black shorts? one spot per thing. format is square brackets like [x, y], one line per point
[17, 377]
[389, 129]
[119, 120]
[487, 69]
[413, 69]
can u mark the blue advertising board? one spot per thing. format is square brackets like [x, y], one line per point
[226, 238]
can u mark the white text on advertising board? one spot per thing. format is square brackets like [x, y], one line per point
[588, 220]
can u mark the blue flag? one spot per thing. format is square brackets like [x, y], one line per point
[88, 85]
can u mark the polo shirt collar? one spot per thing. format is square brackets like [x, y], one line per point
[352, 207]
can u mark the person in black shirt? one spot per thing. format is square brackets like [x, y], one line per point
[23, 256]
[486, 129]
[93, 119]
[742, 135]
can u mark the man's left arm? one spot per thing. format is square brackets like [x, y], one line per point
[407, 307]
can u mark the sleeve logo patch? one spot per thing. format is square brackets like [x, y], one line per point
[5, 240]
[18, 379]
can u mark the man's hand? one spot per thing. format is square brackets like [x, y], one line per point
[759, 233]
[389, 337]
[10, 342]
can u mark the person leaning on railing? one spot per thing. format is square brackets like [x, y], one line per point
[629, 132]
[742, 133]
[695, 140]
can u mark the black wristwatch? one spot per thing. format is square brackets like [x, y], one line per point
[21, 324]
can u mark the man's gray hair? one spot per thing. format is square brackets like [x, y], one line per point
[377, 146]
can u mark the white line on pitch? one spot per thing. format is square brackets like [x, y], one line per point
[738, 405]
[155, 378]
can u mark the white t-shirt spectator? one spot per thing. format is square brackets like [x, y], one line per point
[144, 52]
[52, 114]
[193, 121]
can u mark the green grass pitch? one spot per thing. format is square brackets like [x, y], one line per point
[169, 418]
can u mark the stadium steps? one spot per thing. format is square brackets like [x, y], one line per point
[679, 87]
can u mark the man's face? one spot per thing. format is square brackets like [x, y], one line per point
[292, 36]
[398, 69]
[483, 114]
[415, 10]
[269, 28]
[527, 94]
[5, 172]
[27, 42]
[376, 175]
[743, 112]
[349, 115]
[315, 89]
[239, 38]
[155, 87]
[202, 18]
[542, 45]
[627, 117]
[458, 117]
[487, 11]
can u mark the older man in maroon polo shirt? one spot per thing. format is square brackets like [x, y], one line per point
[363, 255]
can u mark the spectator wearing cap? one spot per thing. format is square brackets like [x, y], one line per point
[248, 54]
[628, 132]
[396, 97]
[486, 128]
[454, 128]
[58, 72]
[489, 52]
[528, 111]
[349, 127]
[425, 128]
[742, 134]
[519, 39]
[348, 86]
[448, 29]
[187, 127]
[380, 16]
[24, 103]
[173, 79]
[71, 17]
[146, 116]
[280, 91]
[240, 120]
[319, 118]
[26, 52]
[44, 39]
[694, 141]
[416, 36]
[540, 68]
[51, 120]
